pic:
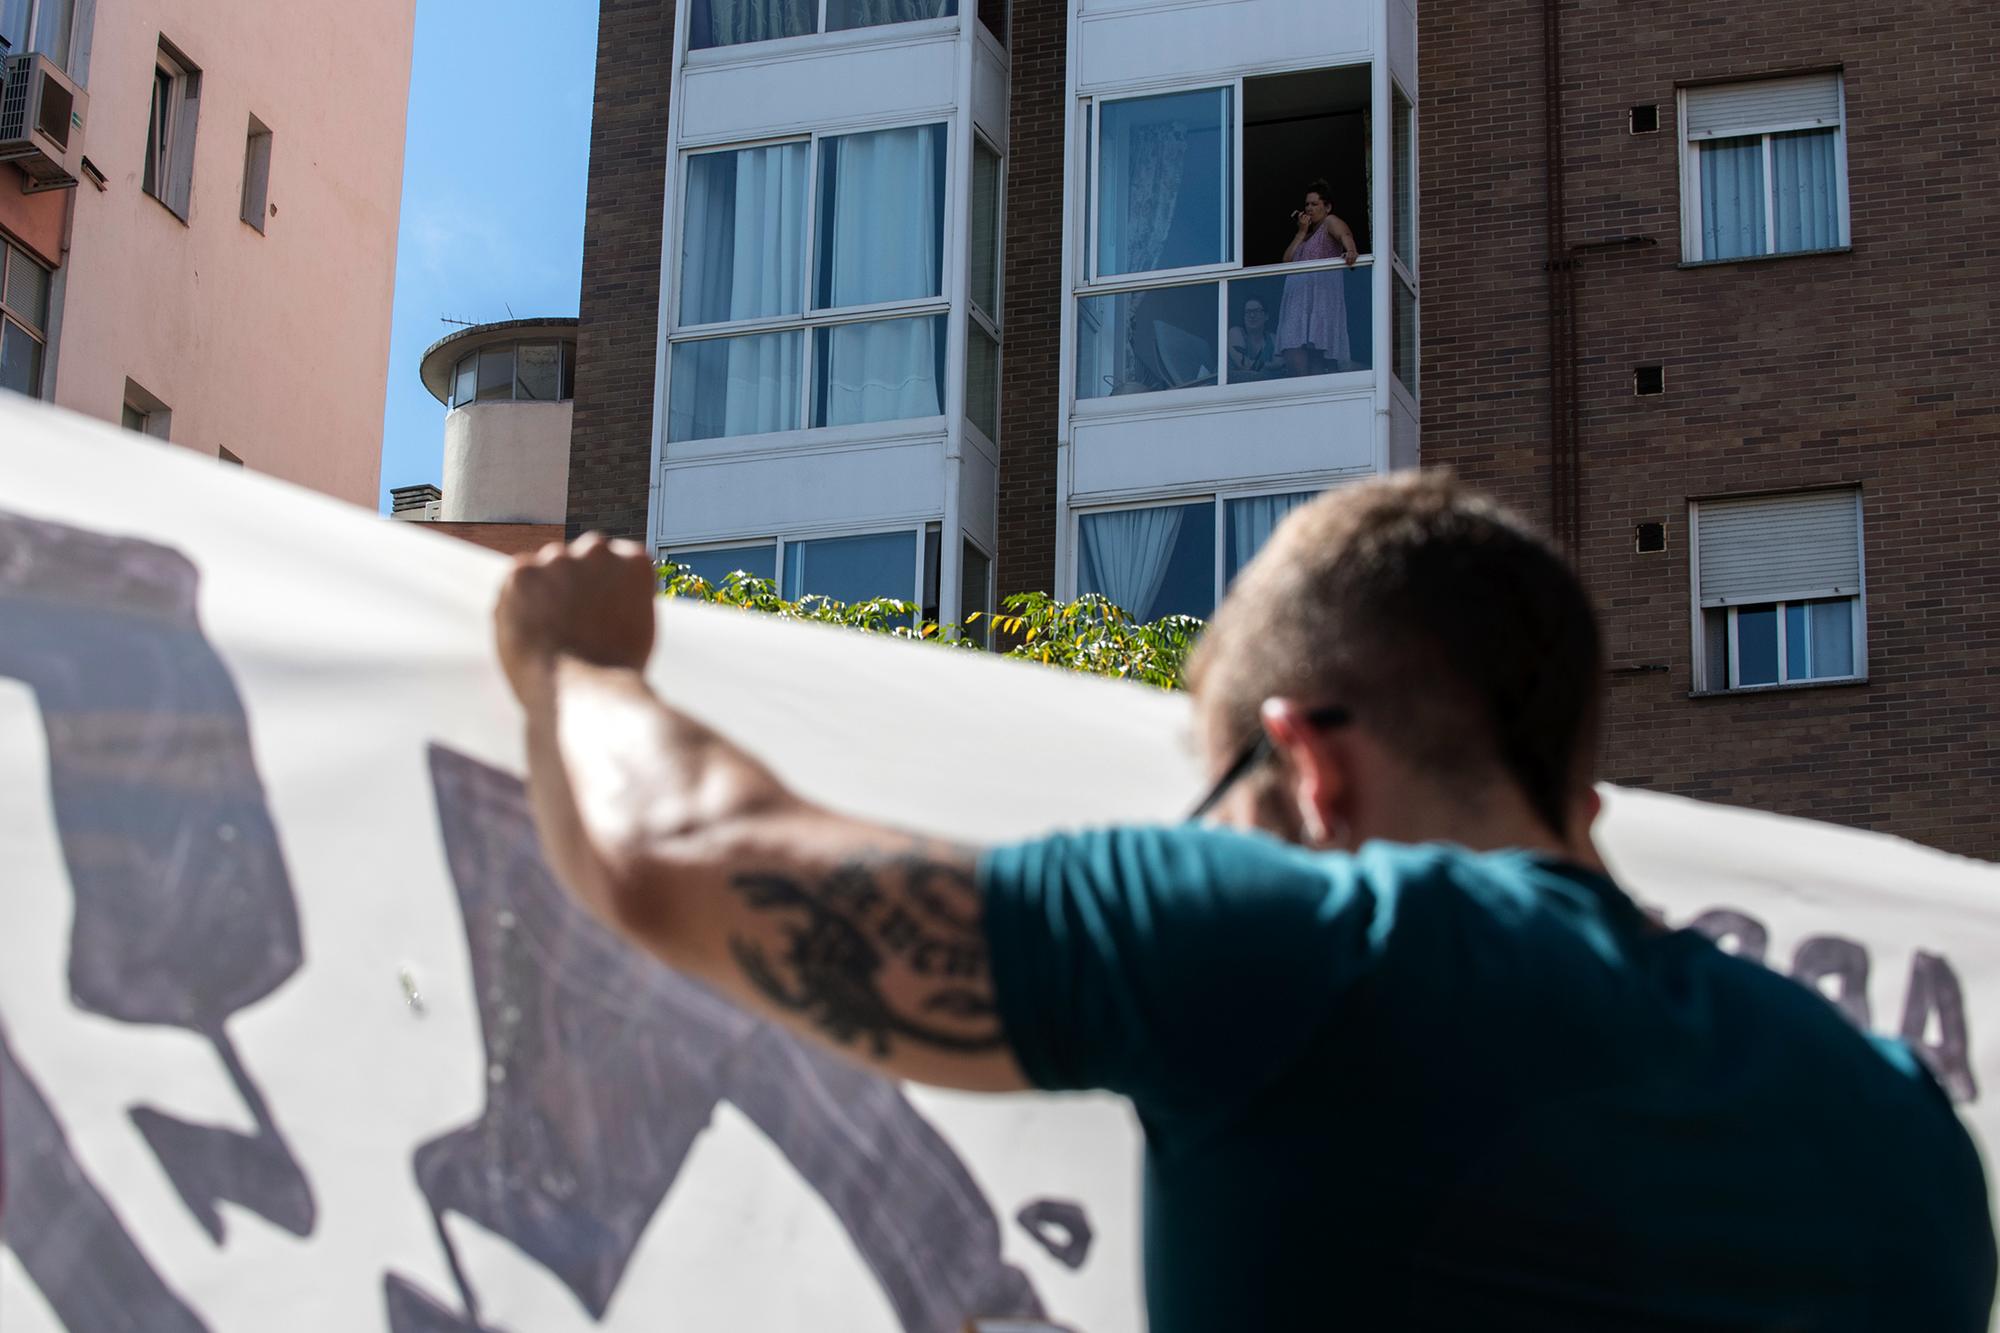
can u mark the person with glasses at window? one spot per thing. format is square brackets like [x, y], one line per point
[1312, 318]
[1415, 1062]
[1253, 346]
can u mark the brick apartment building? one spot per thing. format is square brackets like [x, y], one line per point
[1730, 334]
[960, 304]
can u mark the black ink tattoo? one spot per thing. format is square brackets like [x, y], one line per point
[844, 931]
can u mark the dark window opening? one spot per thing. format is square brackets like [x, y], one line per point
[1646, 119]
[1649, 538]
[1299, 128]
[1649, 379]
[993, 13]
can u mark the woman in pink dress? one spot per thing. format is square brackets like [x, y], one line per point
[1312, 321]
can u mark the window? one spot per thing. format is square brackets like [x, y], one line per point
[1763, 168]
[24, 321]
[841, 238]
[850, 569]
[1188, 188]
[975, 595]
[1403, 249]
[46, 26]
[1778, 583]
[144, 414]
[733, 22]
[1175, 559]
[170, 130]
[257, 174]
[982, 343]
[521, 372]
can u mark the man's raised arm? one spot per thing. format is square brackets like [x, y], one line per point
[860, 937]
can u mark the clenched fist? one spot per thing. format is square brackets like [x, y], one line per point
[591, 600]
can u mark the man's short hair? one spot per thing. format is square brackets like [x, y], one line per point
[1444, 623]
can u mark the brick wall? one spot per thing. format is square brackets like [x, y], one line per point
[1030, 406]
[1873, 367]
[617, 335]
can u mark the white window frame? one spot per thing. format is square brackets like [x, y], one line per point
[808, 320]
[1089, 283]
[984, 631]
[1218, 498]
[173, 168]
[1690, 151]
[1404, 268]
[1858, 617]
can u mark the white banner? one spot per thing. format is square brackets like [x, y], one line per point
[296, 1031]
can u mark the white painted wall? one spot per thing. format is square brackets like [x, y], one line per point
[506, 463]
[273, 346]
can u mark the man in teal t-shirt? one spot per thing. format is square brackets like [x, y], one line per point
[1412, 1062]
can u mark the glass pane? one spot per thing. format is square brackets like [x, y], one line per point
[868, 13]
[159, 132]
[1757, 645]
[1153, 562]
[1139, 342]
[1732, 197]
[1832, 638]
[888, 370]
[568, 370]
[986, 230]
[728, 22]
[982, 381]
[1300, 324]
[14, 24]
[1715, 648]
[1405, 350]
[20, 360]
[496, 374]
[538, 372]
[1249, 524]
[1796, 667]
[928, 605]
[52, 31]
[853, 569]
[974, 580]
[27, 297]
[881, 217]
[1403, 154]
[465, 381]
[1166, 193]
[735, 386]
[718, 563]
[743, 240]
[1805, 190]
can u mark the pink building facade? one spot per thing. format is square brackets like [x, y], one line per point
[221, 272]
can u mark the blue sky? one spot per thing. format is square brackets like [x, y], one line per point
[493, 191]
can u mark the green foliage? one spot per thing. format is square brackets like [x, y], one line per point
[1089, 634]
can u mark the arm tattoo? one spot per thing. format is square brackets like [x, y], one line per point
[907, 913]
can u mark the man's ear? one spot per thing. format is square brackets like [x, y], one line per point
[1315, 778]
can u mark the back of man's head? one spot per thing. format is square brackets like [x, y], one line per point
[1443, 623]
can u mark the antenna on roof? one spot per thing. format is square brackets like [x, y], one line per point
[462, 323]
[510, 311]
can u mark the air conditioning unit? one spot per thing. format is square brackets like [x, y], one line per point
[41, 121]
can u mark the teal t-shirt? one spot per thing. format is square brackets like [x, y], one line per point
[1419, 1087]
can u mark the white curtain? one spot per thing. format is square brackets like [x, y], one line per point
[1732, 198]
[1251, 522]
[867, 13]
[742, 257]
[727, 22]
[1804, 188]
[1125, 555]
[743, 240]
[883, 232]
